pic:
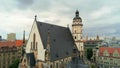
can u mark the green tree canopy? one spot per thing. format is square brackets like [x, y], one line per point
[14, 64]
[89, 53]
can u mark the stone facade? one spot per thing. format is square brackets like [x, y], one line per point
[92, 44]
[77, 33]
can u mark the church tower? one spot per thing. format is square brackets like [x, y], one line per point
[77, 32]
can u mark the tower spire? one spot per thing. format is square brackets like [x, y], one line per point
[35, 17]
[23, 37]
[23, 47]
[77, 17]
[77, 13]
[97, 38]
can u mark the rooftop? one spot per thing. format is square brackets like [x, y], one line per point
[10, 44]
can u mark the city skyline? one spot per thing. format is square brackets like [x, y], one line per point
[99, 17]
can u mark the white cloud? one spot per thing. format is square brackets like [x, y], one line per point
[15, 22]
[105, 10]
[16, 16]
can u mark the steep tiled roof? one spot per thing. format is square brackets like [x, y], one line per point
[19, 42]
[7, 43]
[118, 49]
[61, 40]
[101, 49]
[110, 50]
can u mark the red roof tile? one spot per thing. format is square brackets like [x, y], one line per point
[7, 43]
[110, 50]
[19, 42]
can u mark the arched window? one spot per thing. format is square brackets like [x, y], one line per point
[51, 66]
[75, 37]
[57, 65]
[34, 37]
[36, 45]
[31, 46]
[75, 31]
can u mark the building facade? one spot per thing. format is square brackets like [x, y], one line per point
[92, 44]
[108, 57]
[9, 52]
[77, 33]
[49, 46]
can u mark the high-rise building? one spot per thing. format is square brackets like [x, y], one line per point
[11, 37]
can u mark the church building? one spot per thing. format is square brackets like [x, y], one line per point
[52, 46]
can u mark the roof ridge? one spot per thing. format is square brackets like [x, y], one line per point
[51, 24]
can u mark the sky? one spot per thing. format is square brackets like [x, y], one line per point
[100, 17]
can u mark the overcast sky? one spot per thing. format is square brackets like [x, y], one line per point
[100, 17]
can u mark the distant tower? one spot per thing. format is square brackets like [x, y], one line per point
[77, 32]
[23, 47]
[24, 38]
[86, 37]
[97, 38]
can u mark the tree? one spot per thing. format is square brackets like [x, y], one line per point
[14, 64]
[89, 53]
[93, 66]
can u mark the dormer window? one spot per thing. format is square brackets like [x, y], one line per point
[57, 55]
[111, 54]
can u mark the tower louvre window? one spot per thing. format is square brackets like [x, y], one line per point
[75, 37]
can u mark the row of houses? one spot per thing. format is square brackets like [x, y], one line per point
[104, 55]
[108, 57]
[10, 51]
